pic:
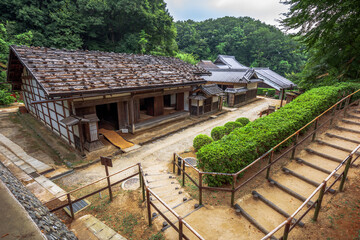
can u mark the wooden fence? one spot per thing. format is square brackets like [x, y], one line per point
[146, 193]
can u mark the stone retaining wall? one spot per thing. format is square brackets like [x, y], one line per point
[47, 222]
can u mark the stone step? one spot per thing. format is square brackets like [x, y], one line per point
[39, 166]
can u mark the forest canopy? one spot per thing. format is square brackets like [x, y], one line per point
[252, 42]
[330, 31]
[130, 26]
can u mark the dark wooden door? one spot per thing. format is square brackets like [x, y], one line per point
[180, 101]
[158, 106]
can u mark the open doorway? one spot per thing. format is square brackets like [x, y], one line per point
[108, 115]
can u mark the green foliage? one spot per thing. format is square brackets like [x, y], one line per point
[186, 57]
[252, 42]
[5, 98]
[201, 140]
[244, 145]
[218, 132]
[323, 27]
[7, 38]
[231, 126]
[243, 121]
[266, 91]
[131, 26]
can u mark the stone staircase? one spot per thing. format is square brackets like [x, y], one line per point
[29, 171]
[275, 200]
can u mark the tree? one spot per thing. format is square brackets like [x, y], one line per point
[131, 26]
[330, 30]
[7, 38]
[252, 42]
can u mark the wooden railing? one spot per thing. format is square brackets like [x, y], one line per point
[146, 193]
[340, 107]
[321, 189]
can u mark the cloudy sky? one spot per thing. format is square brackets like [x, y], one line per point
[265, 10]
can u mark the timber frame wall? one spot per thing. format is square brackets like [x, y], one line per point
[49, 113]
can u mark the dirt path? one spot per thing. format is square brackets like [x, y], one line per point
[158, 154]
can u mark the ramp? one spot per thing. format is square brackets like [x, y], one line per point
[115, 138]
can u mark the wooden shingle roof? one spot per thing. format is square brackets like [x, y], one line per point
[68, 72]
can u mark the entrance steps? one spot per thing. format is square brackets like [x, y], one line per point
[275, 200]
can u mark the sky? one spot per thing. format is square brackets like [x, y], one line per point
[264, 10]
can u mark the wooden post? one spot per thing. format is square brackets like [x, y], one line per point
[141, 179]
[108, 181]
[287, 230]
[174, 159]
[346, 105]
[70, 206]
[180, 229]
[200, 188]
[183, 173]
[148, 205]
[315, 128]
[179, 166]
[348, 163]
[132, 115]
[271, 155]
[233, 191]
[295, 142]
[319, 201]
[282, 97]
[332, 115]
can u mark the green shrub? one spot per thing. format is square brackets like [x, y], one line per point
[201, 140]
[218, 132]
[241, 147]
[5, 98]
[231, 126]
[243, 120]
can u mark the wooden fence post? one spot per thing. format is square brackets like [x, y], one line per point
[295, 142]
[108, 181]
[70, 206]
[174, 159]
[148, 205]
[183, 173]
[333, 115]
[287, 229]
[346, 105]
[319, 201]
[233, 191]
[315, 129]
[271, 155]
[348, 163]
[200, 188]
[179, 166]
[141, 179]
[180, 229]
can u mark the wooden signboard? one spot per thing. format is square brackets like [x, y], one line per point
[106, 161]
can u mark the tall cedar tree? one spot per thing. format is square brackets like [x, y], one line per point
[331, 32]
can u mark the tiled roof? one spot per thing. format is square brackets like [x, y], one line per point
[231, 75]
[67, 72]
[236, 90]
[229, 61]
[207, 64]
[273, 79]
[211, 89]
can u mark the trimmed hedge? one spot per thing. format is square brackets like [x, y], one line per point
[243, 120]
[241, 147]
[231, 126]
[218, 132]
[201, 140]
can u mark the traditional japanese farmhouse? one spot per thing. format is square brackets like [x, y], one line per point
[75, 93]
[239, 82]
[206, 99]
[237, 79]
